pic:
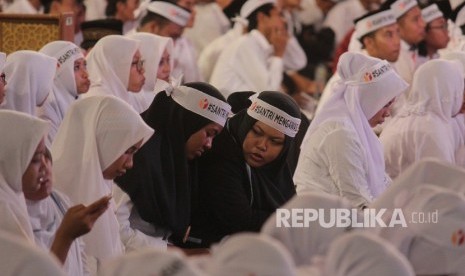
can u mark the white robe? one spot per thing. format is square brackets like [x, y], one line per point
[210, 23]
[18, 258]
[46, 216]
[248, 65]
[185, 61]
[23, 6]
[424, 127]
[95, 132]
[341, 18]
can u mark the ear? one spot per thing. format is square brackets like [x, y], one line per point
[154, 28]
[369, 42]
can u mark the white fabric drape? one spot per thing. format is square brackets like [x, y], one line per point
[109, 65]
[306, 242]
[20, 138]
[424, 126]
[45, 217]
[30, 79]
[346, 113]
[95, 132]
[151, 48]
[64, 91]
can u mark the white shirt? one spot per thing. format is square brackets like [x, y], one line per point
[210, 23]
[23, 6]
[333, 162]
[211, 53]
[248, 65]
[341, 18]
[185, 61]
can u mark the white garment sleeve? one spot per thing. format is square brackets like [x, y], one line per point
[294, 56]
[261, 75]
[132, 239]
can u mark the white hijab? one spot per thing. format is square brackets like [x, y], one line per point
[250, 254]
[304, 243]
[151, 48]
[148, 262]
[357, 99]
[21, 134]
[109, 66]
[30, 80]
[435, 97]
[363, 254]
[95, 132]
[64, 90]
[18, 258]
[432, 248]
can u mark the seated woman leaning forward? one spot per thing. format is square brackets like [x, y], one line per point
[164, 177]
[246, 177]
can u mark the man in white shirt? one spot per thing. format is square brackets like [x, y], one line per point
[254, 62]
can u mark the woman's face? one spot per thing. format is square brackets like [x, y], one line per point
[136, 74]
[385, 112]
[202, 140]
[46, 183]
[262, 145]
[35, 175]
[124, 162]
[164, 68]
[81, 76]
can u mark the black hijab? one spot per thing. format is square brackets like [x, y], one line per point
[161, 182]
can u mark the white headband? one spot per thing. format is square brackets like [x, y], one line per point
[374, 22]
[431, 12]
[402, 6]
[200, 103]
[273, 117]
[69, 53]
[252, 5]
[372, 74]
[170, 11]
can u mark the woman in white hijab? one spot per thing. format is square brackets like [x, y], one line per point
[18, 258]
[311, 240]
[94, 144]
[30, 80]
[70, 81]
[156, 51]
[250, 254]
[424, 126]
[2, 78]
[340, 154]
[116, 67]
[363, 254]
[433, 239]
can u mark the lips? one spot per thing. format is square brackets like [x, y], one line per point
[256, 157]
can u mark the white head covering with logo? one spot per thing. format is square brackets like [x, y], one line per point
[95, 132]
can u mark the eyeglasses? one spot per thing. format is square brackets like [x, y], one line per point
[444, 26]
[3, 78]
[139, 64]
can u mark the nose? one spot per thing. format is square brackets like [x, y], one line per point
[129, 163]
[261, 144]
[208, 143]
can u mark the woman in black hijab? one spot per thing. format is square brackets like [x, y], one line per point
[164, 176]
[245, 176]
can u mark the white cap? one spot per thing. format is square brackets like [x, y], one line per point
[170, 11]
[374, 22]
[431, 12]
[400, 7]
[251, 5]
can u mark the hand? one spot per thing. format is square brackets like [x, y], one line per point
[80, 219]
[278, 38]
